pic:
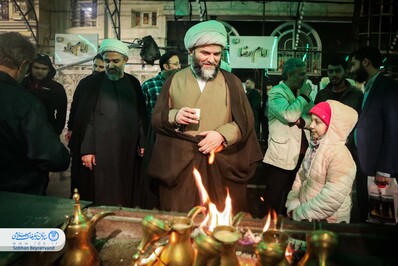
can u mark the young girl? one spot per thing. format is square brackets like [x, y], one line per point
[322, 188]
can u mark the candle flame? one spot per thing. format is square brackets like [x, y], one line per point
[152, 258]
[213, 217]
[212, 155]
[271, 221]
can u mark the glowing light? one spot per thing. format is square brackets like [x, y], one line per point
[271, 221]
[213, 218]
[212, 155]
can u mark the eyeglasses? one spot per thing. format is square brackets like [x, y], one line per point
[175, 64]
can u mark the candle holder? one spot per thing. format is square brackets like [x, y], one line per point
[207, 249]
[227, 236]
[271, 250]
[179, 250]
[320, 245]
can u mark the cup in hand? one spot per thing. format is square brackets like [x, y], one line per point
[197, 113]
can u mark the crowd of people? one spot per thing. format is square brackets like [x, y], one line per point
[136, 145]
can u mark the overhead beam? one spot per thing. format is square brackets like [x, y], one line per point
[114, 16]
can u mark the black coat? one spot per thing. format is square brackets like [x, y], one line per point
[377, 128]
[83, 106]
[29, 147]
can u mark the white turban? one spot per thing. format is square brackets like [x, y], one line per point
[113, 45]
[206, 33]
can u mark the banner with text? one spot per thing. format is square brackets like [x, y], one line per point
[253, 52]
[75, 48]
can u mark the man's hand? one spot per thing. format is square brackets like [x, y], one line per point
[68, 135]
[306, 89]
[212, 141]
[186, 116]
[89, 161]
[382, 180]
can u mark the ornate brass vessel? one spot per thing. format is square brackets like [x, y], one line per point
[78, 231]
[320, 244]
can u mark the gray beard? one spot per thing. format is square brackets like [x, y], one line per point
[204, 75]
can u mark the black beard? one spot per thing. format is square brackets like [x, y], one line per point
[361, 75]
[198, 70]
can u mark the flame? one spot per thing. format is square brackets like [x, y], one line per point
[213, 218]
[152, 258]
[212, 156]
[289, 253]
[271, 222]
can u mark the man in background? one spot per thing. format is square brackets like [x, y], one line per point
[109, 131]
[52, 94]
[341, 90]
[377, 127]
[288, 114]
[29, 145]
[151, 87]
[98, 64]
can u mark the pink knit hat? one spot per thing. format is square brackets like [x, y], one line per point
[323, 111]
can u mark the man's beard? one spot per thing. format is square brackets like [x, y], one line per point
[360, 74]
[113, 73]
[204, 74]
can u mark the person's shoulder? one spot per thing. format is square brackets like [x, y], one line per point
[132, 78]
[151, 80]
[23, 98]
[53, 84]
[183, 72]
[92, 77]
[389, 80]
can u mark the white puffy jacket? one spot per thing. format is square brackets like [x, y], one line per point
[324, 192]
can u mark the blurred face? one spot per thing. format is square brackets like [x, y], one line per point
[114, 65]
[336, 74]
[173, 63]
[249, 84]
[318, 127]
[98, 65]
[40, 71]
[206, 61]
[297, 79]
[358, 71]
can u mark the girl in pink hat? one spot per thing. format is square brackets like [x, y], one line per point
[322, 188]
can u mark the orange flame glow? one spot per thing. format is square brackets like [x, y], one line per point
[271, 222]
[152, 258]
[289, 253]
[213, 218]
[212, 155]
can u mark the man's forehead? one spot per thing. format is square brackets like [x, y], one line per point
[300, 70]
[38, 65]
[335, 66]
[214, 47]
[112, 55]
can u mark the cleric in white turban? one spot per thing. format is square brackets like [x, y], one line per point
[114, 45]
[206, 33]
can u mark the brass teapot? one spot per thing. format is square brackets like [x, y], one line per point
[78, 230]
